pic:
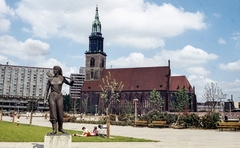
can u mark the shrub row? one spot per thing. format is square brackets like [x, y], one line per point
[188, 120]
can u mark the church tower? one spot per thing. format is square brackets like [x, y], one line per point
[95, 57]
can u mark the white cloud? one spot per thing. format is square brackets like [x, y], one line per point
[50, 63]
[234, 66]
[236, 37]
[199, 83]
[133, 60]
[229, 88]
[221, 41]
[232, 87]
[4, 12]
[30, 50]
[122, 24]
[188, 56]
[5, 60]
[217, 15]
[200, 71]
[76, 57]
[67, 71]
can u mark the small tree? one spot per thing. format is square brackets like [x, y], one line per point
[128, 107]
[85, 104]
[111, 90]
[212, 95]
[66, 103]
[32, 106]
[155, 99]
[180, 102]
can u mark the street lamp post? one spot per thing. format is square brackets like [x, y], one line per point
[229, 100]
[222, 98]
[135, 103]
[18, 107]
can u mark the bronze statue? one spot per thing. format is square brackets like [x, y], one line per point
[55, 98]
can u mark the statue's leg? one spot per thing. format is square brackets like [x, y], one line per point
[54, 128]
[53, 112]
[60, 113]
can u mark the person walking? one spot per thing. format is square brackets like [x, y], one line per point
[18, 119]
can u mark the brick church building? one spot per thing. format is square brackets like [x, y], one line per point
[138, 82]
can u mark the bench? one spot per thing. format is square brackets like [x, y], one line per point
[228, 125]
[141, 123]
[158, 124]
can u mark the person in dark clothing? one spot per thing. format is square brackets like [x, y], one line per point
[225, 118]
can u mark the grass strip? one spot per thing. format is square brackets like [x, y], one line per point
[10, 132]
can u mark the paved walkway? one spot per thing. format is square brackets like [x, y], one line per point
[168, 137]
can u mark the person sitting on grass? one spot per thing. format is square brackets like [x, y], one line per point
[95, 131]
[86, 132]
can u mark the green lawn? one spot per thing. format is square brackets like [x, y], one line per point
[10, 132]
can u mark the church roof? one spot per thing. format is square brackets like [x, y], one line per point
[134, 79]
[177, 82]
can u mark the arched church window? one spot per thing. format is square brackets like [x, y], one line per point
[136, 95]
[92, 62]
[126, 96]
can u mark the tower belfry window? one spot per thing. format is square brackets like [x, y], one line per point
[91, 74]
[92, 62]
[103, 63]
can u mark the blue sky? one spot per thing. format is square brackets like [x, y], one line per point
[200, 38]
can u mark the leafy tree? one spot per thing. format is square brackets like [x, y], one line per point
[32, 106]
[155, 99]
[180, 102]
[66, 103]
[212, 95]
[85, 104]
[111, 90]
[128, 107]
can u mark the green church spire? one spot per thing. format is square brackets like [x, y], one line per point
[96, 25]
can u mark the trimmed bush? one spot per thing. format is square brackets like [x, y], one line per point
[112, 117]
[209, 121]
[190, 120]
[72, 119]
[122, 123]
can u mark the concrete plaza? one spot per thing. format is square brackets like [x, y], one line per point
[168, 137]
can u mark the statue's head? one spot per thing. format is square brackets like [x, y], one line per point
[57, 70]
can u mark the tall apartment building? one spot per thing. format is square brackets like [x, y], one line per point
[18, 84]
[75, 90]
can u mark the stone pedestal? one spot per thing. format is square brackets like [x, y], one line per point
[58, 141]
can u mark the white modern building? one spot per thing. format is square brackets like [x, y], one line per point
[18, 84]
